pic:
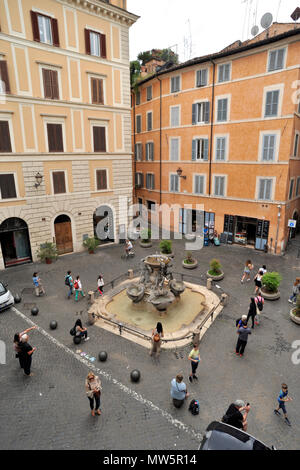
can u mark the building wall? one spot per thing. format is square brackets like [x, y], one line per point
[246, 90]
[28, 111]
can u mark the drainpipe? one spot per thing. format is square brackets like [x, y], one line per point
[134, 140]
[160, 137]
[211, 126]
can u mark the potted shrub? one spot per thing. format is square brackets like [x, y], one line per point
[165, 247]
[47, 252]
[215, 271]
[91, 244]
[189, 262]
[145, 240]
[295, 312]
[270, 285]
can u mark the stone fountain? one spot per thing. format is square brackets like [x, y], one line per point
[156, 284]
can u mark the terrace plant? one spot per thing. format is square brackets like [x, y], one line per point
[215, 267]
[271, 282]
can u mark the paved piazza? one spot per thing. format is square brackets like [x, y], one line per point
[50, 409]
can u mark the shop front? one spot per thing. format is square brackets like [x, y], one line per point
[15, 244]
[246, 231]
[190, 218]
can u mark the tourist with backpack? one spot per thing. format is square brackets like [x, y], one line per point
[157, 335]
[258, 281]
[236, 415]
[252, 311]
[179, 391]
[79, 330]
[78, 288]
[69, 283]
[194, 357]
[259, 301]
[240, 321]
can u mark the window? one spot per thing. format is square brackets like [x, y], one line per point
[200, 112]
[149, 151]
[221, 148]
[222, 110]
[45, 29]
[175, 84]
[50, 80]
[224, 73]
[101, 180]
[7, 186]
[175, 116]
[150, 181]
[292, 182]
[174, 149]
[138, 152]
[276, 60]
[138, 98]
[296, 145]
[219, 186]
[298, 186]
[139, 180]
[59, 183]
[149, 93]
[201, 78]
[149, 121]
[151, 205]
[138, 123]
[268, 151]
[4, 81]
[97, 91]
[174, 183]
[199, 184]
[200, 149]
[5, 143]
[55, 137]
[95, 43]
[99, 134]
[265, 189]
[272, 102]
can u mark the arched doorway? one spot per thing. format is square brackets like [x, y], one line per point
[63, 234]
[15, 244]
[103, 219]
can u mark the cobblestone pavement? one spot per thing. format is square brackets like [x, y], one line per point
[50, 410]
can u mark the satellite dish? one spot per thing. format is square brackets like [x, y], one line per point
[254, 30]
[266, 20]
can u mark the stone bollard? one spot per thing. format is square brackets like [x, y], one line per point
[91, 317]
[224, 298]
[130, 273]
[208, 283]
[196, 337]
[91, 296]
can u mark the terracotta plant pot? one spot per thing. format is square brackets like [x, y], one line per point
[190, 265]
[215, 278]
[293, 317]
[270, 295]
[48, 260]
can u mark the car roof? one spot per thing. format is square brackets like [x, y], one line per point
[224, 436]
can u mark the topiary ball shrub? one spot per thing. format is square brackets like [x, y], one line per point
[271, 281]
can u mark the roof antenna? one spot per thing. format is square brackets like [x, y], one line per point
[266, 21]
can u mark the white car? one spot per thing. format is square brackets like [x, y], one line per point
[6, 298]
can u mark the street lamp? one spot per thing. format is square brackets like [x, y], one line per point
[38, 179]
[179, 173]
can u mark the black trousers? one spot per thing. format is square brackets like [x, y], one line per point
[252, 318]
[178, 403]
[97, 401]
[240, 346]
[27, 364]
[194, 367]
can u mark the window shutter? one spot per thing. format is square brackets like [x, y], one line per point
[5, 143]
[8, 187]
[136, 152]
[142, 180]
[206, 111]
[47, 83]
[35, 26]
[275, 98]
[194, 149]
[87, 41]
[4, 75]
[94, 90]
[101, 179]
[272, 61]
[54, 84]
[153, 182]
[261, 189]
[138, 124]
[100, 92]
[268, 185]
[149, 121]
[54, 28]
[280, 58]
[99, 139]
[151, 151]
[205, 149]
[194, 113]
[55, 139]
[103, 45]
[59, 184]
[222, 180]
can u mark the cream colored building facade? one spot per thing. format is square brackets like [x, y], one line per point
[65, 126]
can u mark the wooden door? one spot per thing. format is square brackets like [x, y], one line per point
[63, 236]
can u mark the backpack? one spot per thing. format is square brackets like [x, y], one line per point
[76, 285]
[67, 280]
[156, 338]
[73, 331]
[194, 407]
[259, 304]
[237, 321]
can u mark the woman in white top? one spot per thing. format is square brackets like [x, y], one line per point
[100, 284]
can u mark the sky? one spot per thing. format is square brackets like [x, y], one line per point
[194, 28]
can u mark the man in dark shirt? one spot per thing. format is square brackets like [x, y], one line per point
[234, 416]
[26, 351]
[243, 333]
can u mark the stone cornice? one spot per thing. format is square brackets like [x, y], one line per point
[106, 10]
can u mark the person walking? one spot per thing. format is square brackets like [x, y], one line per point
[38, 286]
[93, 390]
[194, 357]
[295, 292]
[17, 344]
[257, 281]
[252, 311]
[259, 302]
[69, 283]
[282, 399]
[78, 288]
[157, 335]
[178, 391]
[26, 353]
[80, 330]
[100, 284]
[247, 270]
[243, 333]
[241, 321]
[236, 415]
[263, 269]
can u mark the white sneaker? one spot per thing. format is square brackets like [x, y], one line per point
[86, 339]
[290, 301]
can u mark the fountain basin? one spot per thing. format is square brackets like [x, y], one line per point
[135, 292]
[176, 287]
